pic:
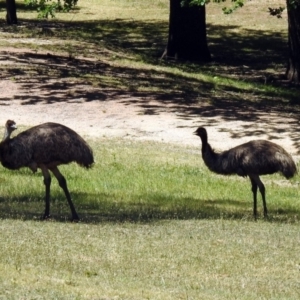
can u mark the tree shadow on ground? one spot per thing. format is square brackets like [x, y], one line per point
[87, 70]
[236, 51]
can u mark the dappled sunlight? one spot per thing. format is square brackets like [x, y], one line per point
[117, 60]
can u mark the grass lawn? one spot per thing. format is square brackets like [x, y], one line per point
[156, 224]
[187, 259]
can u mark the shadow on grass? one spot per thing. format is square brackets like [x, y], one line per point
[154, 208]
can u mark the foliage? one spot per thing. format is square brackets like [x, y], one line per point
[240, 3]
[276, 11]
[48, 8]
[236, 4]
[227, 10]
[292, 4]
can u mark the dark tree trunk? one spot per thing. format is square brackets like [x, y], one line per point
[293, 69]
[187, 33]
[11, 12]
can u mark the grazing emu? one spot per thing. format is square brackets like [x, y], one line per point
[251, 159]
[45, 146]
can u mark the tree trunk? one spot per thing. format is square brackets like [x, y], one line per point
[11, 12]
[293, 69]
[187, 33]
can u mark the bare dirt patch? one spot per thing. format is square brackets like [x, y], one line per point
[100, 112]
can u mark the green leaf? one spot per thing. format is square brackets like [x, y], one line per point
[46, 8]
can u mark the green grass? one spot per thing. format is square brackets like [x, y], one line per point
[145, 182]
[156, 224]
[200, 259]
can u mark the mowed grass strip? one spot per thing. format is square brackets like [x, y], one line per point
[156, 224]
[186, 259]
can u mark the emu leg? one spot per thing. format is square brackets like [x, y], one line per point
[263, 195]
[63, 184]
[262, 190]
[47, 182]
[254, 191]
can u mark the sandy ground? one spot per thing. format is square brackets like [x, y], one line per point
[142, 119]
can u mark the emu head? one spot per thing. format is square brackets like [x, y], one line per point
[201, 131]
[10, 126]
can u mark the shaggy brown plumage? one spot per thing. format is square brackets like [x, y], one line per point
[46, 146]
[255, 158]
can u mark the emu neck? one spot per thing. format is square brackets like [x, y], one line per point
[207, 151]
[211, 159]
[204, 143]
[6, 135]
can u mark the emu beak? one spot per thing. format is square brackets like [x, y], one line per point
[195, 132]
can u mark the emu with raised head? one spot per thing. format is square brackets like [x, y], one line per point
[255, 158]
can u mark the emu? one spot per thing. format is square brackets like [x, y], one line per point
[255, 158]
[45, 146]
